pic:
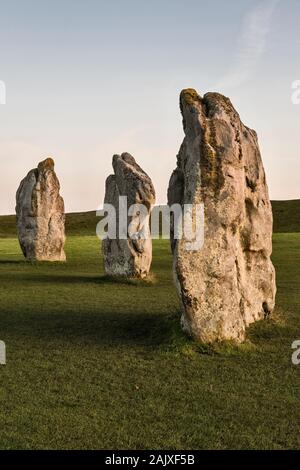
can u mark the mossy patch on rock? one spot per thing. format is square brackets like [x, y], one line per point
[47, 164]
[189, 96]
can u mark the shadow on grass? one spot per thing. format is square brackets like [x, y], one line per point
[114, 324]
[133, 329]
[105, 328]
[10, 261]
[41, 277]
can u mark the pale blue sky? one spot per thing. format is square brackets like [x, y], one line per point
[87, 79]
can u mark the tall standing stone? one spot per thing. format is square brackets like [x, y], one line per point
[129, 256]
[40, 215]
[230, 282]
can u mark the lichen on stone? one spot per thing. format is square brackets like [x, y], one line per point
[189, 96]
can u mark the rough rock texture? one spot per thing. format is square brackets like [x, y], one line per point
[131, 256]
[230, 282]
[40, 215]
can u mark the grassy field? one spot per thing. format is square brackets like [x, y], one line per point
[286, 220]
[95, 363]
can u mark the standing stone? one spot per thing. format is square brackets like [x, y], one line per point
[41, 215]
[129, 256]
[230, 282]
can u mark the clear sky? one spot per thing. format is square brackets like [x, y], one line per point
[90, 78]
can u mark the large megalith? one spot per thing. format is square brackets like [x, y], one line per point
[130, 254]
[41, 215]
[229, 282]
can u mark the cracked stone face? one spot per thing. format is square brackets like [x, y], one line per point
[40, 215]
[131, 256]
[230, 282]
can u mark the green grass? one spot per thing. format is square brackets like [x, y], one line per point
[286, 216]
[77, 223]
[286, 219]
[94, 363]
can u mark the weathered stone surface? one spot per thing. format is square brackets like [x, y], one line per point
[40, 215]
[129, 257]
[230, 282]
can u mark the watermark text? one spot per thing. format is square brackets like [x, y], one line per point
[296, 353]
[2, 353]
[2, 92]
[177, 222]
[296, 93]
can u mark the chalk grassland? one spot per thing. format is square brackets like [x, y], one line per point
[95, 363]
[286, 219]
